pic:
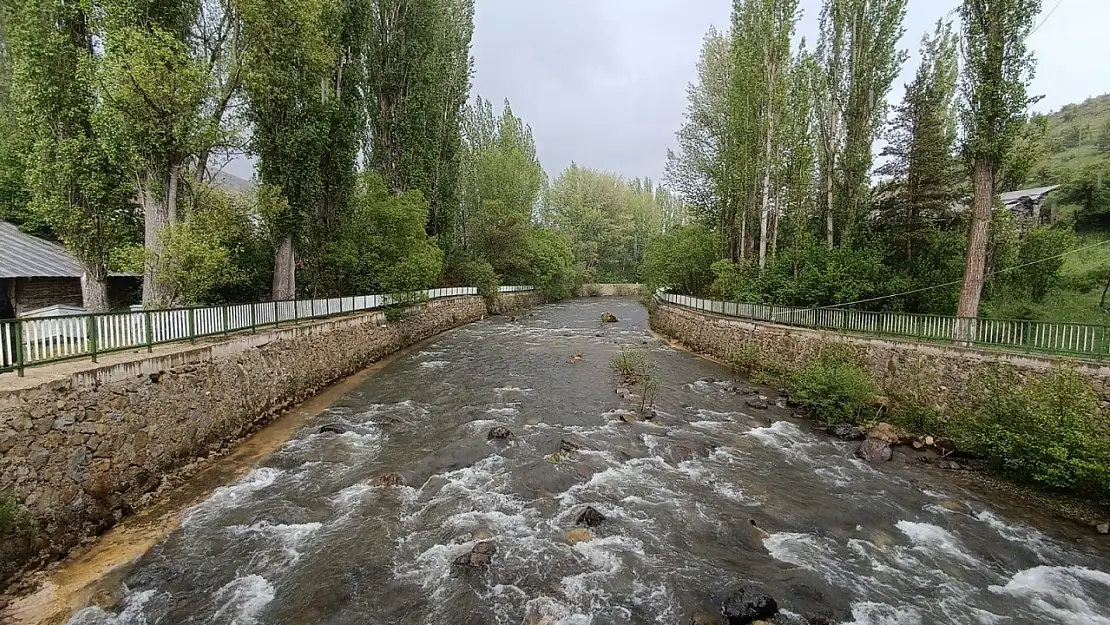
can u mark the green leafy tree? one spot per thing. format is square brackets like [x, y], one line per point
[73, 184]
[997, 68]
[679, 259]
[381, 246]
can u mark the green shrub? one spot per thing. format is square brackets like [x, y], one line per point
[633, 364]
[1050, 431]
[679, 259]
[479, 273]
[9, 515]
[835, 385]
[593, 290]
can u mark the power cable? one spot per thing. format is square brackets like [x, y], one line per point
[1038, 26]
[990, 275]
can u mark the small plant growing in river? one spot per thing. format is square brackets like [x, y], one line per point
[637, 368]
[629, 363]
[652, 388]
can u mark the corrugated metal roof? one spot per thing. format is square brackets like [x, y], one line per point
[26, 256]
[1014, 197]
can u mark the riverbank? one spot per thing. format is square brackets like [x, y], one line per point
[776, 355]
[86, 445]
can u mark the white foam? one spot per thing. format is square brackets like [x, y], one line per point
[132, 613]
[434, 364]
[511, 389]
[931, 539]
[872, 613]
[290, 537]
[243, 599]
[1070, 594]
[1032, 539]
[231, 496]
[509, 411]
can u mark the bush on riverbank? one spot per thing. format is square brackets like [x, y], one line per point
[1049, 431]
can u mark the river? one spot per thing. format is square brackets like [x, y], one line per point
[306, 539]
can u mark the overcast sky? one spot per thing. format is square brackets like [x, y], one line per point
[603, 82]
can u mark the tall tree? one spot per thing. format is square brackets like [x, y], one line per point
[921, 146]
[830, 85]
[152, 89]
[286, 73]
[997, 68]
[74, 186]
[872, 29]
[419, 71]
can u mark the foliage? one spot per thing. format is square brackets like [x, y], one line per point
[1050, 431]
[476, 273]
[551, 259]
[636, 367]
[380, 245]
[735, 281]
[679, 259]
[1036, 275]
[835, 385]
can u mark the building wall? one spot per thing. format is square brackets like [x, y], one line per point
[81, 451]
[944, 369]
[34, 293]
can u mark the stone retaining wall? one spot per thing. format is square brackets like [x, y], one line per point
[610, 290]
[939, 371]
[78, 451]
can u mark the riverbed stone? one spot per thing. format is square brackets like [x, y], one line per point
[847, 432]
[479, 556]
[747, 604]
[333, 428]
[887, 433]
[759, 403]
[1103, 528]
[499, 433]
[578, 535]
[608, 317]
[590, 517]
[874, 450]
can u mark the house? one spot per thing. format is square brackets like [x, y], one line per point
[1027, 205]
[36, 273]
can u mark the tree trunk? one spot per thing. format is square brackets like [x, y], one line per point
[765, 209]
[982, 205]
[158, 213]
[94, 287]
[285, 270]
[775, 218]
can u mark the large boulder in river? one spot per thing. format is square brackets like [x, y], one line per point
[590, 517]
[748, 604]
[608, 318]
[499, 433]
[478, 557]
[874, 450]
[888, 433]
[847, 432]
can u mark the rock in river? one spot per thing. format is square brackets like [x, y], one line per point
[608, 318]
[590, 517]
[748, 604]
[334, 428]
[847, 432]
[948, 465]
[479, 556]
[388, 480]
[875, 450]
[759, 403]
[499, 433]
[887, 433]
[579, 535]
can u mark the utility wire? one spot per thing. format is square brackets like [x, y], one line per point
[1038, 27]
[990, 275]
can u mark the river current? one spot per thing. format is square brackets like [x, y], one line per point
[306, 538]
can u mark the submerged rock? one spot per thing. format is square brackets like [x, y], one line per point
[759, 403]
[608, 318]
[847, 432]
[887, 433]
[623, 392]
[578, 535]
[479, 556]
[590, 517]
[948, 465]
[568, 446]
[499, 433]
[705, 616]
[748, 604]
[874, 450]
[333, 428]
[387, 480]
[628, 418]
[757, 532]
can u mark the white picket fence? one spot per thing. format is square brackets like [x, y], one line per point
[31, 341]
[1074, 339]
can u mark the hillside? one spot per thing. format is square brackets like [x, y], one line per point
[1077, 135]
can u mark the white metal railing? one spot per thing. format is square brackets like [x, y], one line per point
[33, 341]
[1074, 339]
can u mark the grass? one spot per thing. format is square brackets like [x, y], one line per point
[1082, 279]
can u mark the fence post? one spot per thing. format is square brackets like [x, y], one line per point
[19, 348]
[224, 312]
[294, 310]
[192, 325]
[1028, 336]
[90, 335]
[252, 319]
[149, 331]
[277, 319]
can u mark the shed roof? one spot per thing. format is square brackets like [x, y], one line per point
[1013, 197]
[25, 256]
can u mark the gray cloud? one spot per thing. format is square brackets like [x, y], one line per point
[603, 82]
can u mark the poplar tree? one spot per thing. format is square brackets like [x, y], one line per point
[996, 71]
[74, 186]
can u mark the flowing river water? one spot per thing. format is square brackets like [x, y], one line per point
[306, 539]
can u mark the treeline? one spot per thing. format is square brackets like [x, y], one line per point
[374, 173]
[776, 161]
